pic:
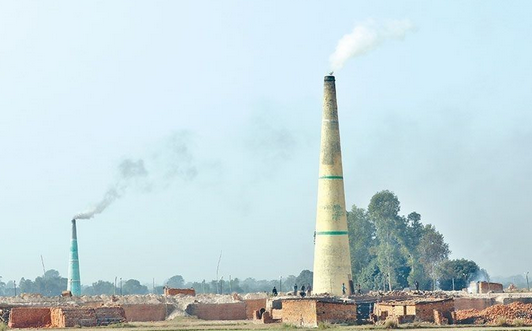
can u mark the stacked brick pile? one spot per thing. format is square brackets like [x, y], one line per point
[493, 314]
[177, 291]
[71, 317]
[30, 318]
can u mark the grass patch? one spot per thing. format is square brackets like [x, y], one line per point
[288, 326]
[391, 324]
[120, 325]
[325, 325]
[3, 327]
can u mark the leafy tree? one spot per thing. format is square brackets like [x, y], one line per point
[383, 210]
[432, 251]
[362, 245]
[133, 286]
[2, 287]
[100, 287]
[176, 281]
[51, 284]
[460, 271]
[305, 278]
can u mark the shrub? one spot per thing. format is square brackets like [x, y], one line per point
[501, 321]
[519, 322]
[391, 323]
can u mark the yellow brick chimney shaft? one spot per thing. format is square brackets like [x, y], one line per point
[332, 260]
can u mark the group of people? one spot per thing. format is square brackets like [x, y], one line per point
[303, 291]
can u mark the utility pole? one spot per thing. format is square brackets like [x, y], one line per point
[453, 283]
[114, 290]
[15, 286]
[527, 284]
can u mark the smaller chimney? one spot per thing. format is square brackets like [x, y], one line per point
[74, 282]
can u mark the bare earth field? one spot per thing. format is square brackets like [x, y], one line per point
[187, 323]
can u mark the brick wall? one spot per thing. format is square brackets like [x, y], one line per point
[336, 312]
[30, 318]
[425, 310]
[472, 303]
[300, 312]
[252, 305]
[384, 310]
[224, 311]
[485, 287]
[145, 313]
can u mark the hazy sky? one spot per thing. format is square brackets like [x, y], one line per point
[221, 101]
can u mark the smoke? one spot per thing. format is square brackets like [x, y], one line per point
[128, 170]
[179, 157]
[174, 160]
[366, 37]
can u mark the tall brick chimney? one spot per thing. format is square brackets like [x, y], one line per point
[332, 260]
[74, 282]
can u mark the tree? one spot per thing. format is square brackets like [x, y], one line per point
[305, 278]
[383, 211]
[432, 251]
[133, 286]
[361, 244]
[51, 284]
[176, 281]
[459, 272]
[2, 287]
[100, 287]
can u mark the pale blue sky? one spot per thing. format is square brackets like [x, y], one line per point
[442, 119]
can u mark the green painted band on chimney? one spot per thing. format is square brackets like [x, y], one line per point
[331, 177]
[332, 233]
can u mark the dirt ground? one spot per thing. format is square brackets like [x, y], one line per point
[187, 323]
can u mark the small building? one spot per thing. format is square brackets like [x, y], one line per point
[309, 312]
[485, 287]
[437, 311]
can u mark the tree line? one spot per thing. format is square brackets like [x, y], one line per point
[52, 284]
[388, 251]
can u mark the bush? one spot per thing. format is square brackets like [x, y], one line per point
[519, 322]
[391, 324]
[3, 327]
[501, 321]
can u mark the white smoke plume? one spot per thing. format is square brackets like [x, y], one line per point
[128, 170]
[366, 37]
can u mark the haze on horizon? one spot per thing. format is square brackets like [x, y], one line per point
[221, 100]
